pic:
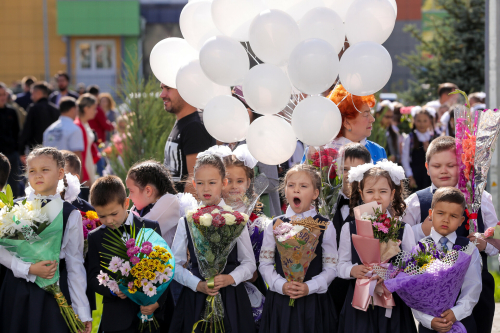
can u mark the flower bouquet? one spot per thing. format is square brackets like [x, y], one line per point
[34, 233]
[376, 242]
[491, 235]
[296, 243]
[142, 267]
[329, 162]
[214, 231]
[476, 136]
[90, 221]
[419, 276]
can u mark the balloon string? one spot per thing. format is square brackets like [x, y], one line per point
[352, 99]
[250, 53]
[342, 100]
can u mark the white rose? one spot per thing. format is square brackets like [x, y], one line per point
[206, 220]
[227, 208]
[230, 219]
[216, 211]
[245, 217]
[189, 215]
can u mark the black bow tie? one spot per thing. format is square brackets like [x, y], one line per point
[343, 201]
[45, 201]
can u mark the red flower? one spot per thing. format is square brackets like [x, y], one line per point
[316, 163]
[333, 173]
[387, 222]
[196, 218]
[383, 217]
[253, 217]
[218, 220]
[83, 213]
[239, 217]
[333, 153]
[467, 226]
[315, 156]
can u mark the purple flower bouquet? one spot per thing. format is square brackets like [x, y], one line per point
[429, 280]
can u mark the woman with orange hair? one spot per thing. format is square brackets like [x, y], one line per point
[357, 120]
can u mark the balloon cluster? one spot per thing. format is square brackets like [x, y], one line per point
[298, 43]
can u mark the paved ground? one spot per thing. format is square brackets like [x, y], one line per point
[496, 321]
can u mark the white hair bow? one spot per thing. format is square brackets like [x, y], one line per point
[220, 151]
[395, 171]
[243, 154]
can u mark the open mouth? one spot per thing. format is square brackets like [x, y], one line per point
[207, 196]
[296, 202]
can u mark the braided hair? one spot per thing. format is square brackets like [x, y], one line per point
[152, 173]
[56, 156]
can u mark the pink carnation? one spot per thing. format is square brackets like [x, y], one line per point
[146, 249]
[133, 251]
[381, 227]
[130, 243]
[489, 232]
[134, 260]
[130, 285]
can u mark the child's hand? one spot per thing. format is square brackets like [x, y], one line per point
[378, 278]
[223, 280]
[441, 325]
[427, 226]
[149, 309]
[481, 243]
[88, 327]
[359, 271]
[449, 316]
[45, 269]
[287, 289]
[298, 290]
[121, 295]
[202, 287]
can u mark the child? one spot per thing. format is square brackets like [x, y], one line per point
[209, 180]
[74, 166]
[415, 146]
[110, 200]
[314, 310]
[153, 194]
[25, 306]
[443, 170]
[447, 214]
[354, 154]
[380, 183]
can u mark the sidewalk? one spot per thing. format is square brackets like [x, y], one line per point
[496, 320]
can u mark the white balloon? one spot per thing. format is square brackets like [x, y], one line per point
[267, 89]
[296, 8]
[167, 56]
[226, 119]
[313, 66]
[224, 60]
[339, 6]
[395, 6]
[233, 17]
[365, 68]
[271, 140]
[196, 23]
[325, 24]
[273, 35]
[377, 16]
[195, 87]
[316, 120]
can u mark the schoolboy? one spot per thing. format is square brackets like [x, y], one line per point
[354, 154]
[109, 198]
[73, 166]
[443, 170]
[447, 209]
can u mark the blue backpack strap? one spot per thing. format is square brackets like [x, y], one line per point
[425, 199]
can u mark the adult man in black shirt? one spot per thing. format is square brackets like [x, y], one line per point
[187, 138]
[41, 114]
[9, 134]
[62, 79]
[24, 98]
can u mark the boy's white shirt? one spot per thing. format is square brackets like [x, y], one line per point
[72, 252]
[413, 218]
[345, 264]
[240, 274]
[319, 283]
[471, 287]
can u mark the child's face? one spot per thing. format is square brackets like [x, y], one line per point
[348, 164]
[446, 217]
[140, 198]
[422, 122]
[443, 169]
[387, 119]
[44, 174]
[114, 214]
[300, 192]
[237, 184]
[378, 189]
[209, 184]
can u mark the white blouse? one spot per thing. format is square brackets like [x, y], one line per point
[72, 252]
[405, 158]
[345, 265]
[319, 283]
[413, 218]
[240, 274]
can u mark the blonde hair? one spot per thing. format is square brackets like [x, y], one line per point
[84, 101]
[112, 103]
[311, 172]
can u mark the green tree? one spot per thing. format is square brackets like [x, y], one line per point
[148, 123]
[454, 54]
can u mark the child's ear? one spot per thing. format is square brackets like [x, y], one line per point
[463, 219]
[194, 183]
[430, 214]
[392, 194]
[427, 167]
[224, 182]
[126, 203]
[316, 194]
[61, 173]
[149, 190]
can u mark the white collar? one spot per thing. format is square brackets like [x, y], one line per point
[310, 213]
[342, 194]
[343, 141]
[30, 195]
[130, 218]
[434, 187]
[220, 204]
[436, 237]
[424, 136]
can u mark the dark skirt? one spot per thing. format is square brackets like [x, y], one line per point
[238, 316]
[314, 313]
[260, 284]
[338, 292]
[25, 307]
[374, 320]
[484, 311]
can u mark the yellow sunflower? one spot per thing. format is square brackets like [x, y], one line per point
[138, 283]
[91, 215]
[154, 255]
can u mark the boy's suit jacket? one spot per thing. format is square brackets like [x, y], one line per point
[117, 314]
